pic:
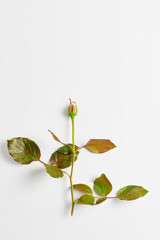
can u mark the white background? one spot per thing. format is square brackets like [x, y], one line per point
[105, 55]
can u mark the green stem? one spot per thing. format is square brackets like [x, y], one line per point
[73, 147]
[72, 196]
[73, 202]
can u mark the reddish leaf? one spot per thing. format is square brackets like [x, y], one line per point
[63, 157]
[83, 188]
[23, 150]
[99, 145]
[55, 137]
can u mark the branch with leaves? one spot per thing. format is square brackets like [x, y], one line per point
[25, 151]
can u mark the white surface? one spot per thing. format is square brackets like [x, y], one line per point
[105, 55]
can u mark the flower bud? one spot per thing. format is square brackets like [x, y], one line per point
[72, 109]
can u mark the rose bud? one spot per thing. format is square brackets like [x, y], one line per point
[72, 109]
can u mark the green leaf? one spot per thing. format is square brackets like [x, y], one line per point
[100, 200]
[86, 199]
[54, 171]
[99, 145]
[83, 188]
[23, 150]
[131, 192]
[66, 149]
[102, 185]
[62, 158]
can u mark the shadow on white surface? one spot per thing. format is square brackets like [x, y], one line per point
[67, 198]
[65, 112]
[35, 175]
[67, 125]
